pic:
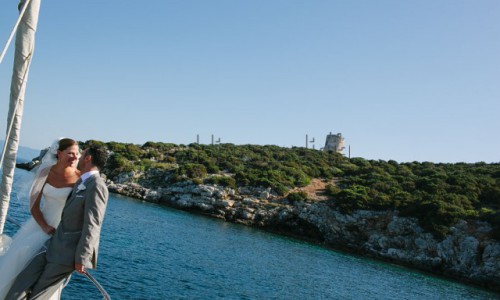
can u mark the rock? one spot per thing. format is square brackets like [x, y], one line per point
[247, 214]
[402, 226]
[204, 206]
[467, 251]
[227, 203]
[250, 201]
[183, 203]
[153, 196]
[206, 190]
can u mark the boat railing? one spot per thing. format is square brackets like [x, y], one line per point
[104, 294]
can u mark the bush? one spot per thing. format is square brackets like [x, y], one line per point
[297, 196]
[350, 199]
[280, 189]
[117, 164]
[332, 190]
[222, 180]
[197, 181]
[192, 171]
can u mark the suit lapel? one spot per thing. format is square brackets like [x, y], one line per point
[73, 191]
[72, 195]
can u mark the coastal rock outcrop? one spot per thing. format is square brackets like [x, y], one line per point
[467, 253]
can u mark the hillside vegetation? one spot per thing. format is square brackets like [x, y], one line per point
[437, 194]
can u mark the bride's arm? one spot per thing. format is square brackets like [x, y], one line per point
[38, 216]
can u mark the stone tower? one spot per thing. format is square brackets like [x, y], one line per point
[334, 143]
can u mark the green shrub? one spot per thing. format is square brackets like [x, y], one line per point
[197, 181]
[192, 171]
[221, 180]
[352, 198]
[332, 190]
[280, 189]
[297, 196]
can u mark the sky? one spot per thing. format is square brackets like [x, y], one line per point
[401, 80]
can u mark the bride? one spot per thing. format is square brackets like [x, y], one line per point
[52, 184]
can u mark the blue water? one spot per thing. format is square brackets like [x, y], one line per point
[151, 252]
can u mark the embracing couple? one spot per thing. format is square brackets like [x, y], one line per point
[68, 200]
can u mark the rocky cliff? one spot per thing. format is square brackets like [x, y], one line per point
[468, 253]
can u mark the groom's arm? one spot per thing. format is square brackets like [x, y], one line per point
[95, 206]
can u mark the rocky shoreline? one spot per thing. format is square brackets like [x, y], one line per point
[468, 253]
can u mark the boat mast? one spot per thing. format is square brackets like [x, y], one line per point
[25, 44]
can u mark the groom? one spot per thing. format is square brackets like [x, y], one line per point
[75, 243]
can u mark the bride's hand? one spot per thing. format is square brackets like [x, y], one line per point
[49, 229]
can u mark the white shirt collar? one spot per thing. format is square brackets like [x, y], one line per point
[88, 174]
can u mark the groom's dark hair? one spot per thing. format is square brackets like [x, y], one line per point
[98, 154]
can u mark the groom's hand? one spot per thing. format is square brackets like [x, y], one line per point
[79, 268]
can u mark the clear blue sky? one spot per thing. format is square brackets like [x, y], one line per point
[402, 80]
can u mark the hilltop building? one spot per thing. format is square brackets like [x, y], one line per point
[334, 143]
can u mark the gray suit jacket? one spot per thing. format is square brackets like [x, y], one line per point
[76, 239]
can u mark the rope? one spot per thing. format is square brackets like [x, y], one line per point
[21, 14]
[97, 285]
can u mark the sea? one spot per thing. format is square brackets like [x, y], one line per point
[149, 251]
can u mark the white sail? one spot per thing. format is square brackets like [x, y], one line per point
[25, 44]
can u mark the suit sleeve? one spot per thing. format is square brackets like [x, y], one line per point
[95, 207]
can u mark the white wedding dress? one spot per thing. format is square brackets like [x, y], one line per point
[30, 238]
